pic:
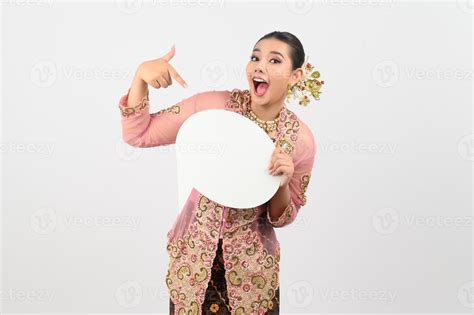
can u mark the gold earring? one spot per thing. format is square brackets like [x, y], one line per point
[289, 92]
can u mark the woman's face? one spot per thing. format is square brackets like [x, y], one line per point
[270, 61]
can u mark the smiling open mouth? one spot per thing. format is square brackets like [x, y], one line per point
[260, 86]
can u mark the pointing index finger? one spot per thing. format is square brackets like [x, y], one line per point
[177, 77]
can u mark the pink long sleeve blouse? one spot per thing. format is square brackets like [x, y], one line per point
[251, 250]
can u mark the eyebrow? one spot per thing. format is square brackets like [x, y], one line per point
[272, 52]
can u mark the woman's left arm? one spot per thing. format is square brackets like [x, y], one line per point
[292, 195]
[283, 207]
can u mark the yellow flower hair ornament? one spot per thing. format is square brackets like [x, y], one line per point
[308, 86]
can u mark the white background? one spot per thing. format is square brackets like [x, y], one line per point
[388, 222]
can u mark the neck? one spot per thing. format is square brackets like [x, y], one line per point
[267, 111]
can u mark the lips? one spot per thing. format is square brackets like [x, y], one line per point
[260, 86]
[258, 79]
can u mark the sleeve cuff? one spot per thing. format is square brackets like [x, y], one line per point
[136, 110]
[285, 217]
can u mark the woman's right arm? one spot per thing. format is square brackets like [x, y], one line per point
[139, 127]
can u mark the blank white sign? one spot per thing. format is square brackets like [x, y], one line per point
[225, 157]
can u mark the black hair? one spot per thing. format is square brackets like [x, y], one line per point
[297, 54]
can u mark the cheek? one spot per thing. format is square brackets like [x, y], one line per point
[248, 70]
[279, 80]
[279, 84]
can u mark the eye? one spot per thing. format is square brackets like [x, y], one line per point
[252, 59]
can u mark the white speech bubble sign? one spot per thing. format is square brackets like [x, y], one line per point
[224, 156]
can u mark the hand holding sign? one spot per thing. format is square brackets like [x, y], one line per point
[281, 163]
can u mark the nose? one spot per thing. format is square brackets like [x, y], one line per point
[259, 68]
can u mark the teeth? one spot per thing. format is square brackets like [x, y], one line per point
[258, 80]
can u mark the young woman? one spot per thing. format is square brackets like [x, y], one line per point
[225, 260]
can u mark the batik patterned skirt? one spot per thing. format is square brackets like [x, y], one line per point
[216, 300]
